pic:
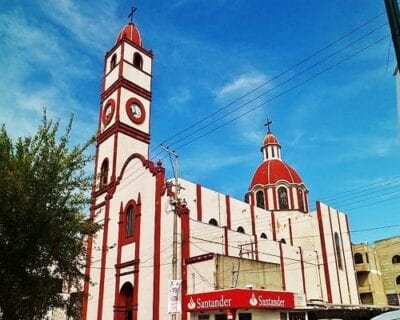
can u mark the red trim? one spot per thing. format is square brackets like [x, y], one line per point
[253, 230]
[335, 255]
[226, 241]
[282, 266]
[185, 252]
[324, 253]
[160, 180]
[290, 231]
[274, 197]
[104, 250]
[303, 274]
[273, 225]
[228, 211]
[200, 258]
[107, 116]
[119, 251]
[138, 220]
[123, 128]
[126, 84]
[132, 116]
[344, 255]
[199, 204]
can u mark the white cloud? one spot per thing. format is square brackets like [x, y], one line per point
[241, 84]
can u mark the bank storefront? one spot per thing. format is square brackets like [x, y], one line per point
[242, 304]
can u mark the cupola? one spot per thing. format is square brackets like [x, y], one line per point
[275, 184]
[131, 33]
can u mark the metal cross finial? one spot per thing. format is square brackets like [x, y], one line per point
[268, 124]
[130, 15]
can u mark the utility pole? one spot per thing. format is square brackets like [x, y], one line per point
[175, 218]
[392, 10]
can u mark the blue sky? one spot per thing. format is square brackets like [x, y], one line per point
[335, 116]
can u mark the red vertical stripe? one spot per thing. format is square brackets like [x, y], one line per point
[136, 274]
[282, 266]
[336, 253]
[303, 274]
[119, 250]
[274, 197]
[157, 242]
[324, 253]
[103, 260]
[253, 229]
[290, 231]
[226, 241]
[185, 252]
[228, 211]
[291, 199]
[273, 225]
[199, 203]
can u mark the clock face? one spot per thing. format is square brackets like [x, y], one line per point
[135, 111]
[108, 112]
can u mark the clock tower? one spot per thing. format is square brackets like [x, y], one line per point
[127, 192]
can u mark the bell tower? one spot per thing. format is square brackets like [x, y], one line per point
[125, 105]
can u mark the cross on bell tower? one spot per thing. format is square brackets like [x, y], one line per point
[130, 15]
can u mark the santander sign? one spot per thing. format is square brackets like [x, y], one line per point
[238, 298]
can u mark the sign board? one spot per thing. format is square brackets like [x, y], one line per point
[174, 296]
[238, 299]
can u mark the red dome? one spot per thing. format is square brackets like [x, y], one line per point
[270, 139]
[272, 171]
[131, 33]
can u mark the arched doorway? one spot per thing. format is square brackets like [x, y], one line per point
[125, 302]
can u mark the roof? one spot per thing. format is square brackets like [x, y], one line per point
[130, 32]
[270, 139]
[274, 170]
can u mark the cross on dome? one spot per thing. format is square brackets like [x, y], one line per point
[268, 124]
[130, 15]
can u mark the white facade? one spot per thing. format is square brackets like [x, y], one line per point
[224, 245]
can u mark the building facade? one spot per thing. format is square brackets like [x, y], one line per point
[378, 271]
[267, 256]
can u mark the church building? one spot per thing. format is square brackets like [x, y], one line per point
[267, 257]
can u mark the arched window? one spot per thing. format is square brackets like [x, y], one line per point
[301, 200]
[113, 61]
[104, 173]
[125, 301]
[260, 199]
[240, 229]
[137, 60]
[283, 198]
[396, 259]
[398, 280]
[358, 258]
[130, 221]
[338, 251]
[283, 241]
[263, 236]
[213, 222]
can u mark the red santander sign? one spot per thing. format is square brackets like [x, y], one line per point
[238, 299]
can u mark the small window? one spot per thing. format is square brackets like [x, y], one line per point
[246, 198]
[213, 222]
[113, 61]
[263, 236]
[396, 259]
[273, 152]
[358, 258]
[366, 257]
[260, 199]
[137, 60]
[338, 251]
[283, 241]
[130, 218]
[104, 173]
[283, 198]
[398, 280]
[240, 229]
